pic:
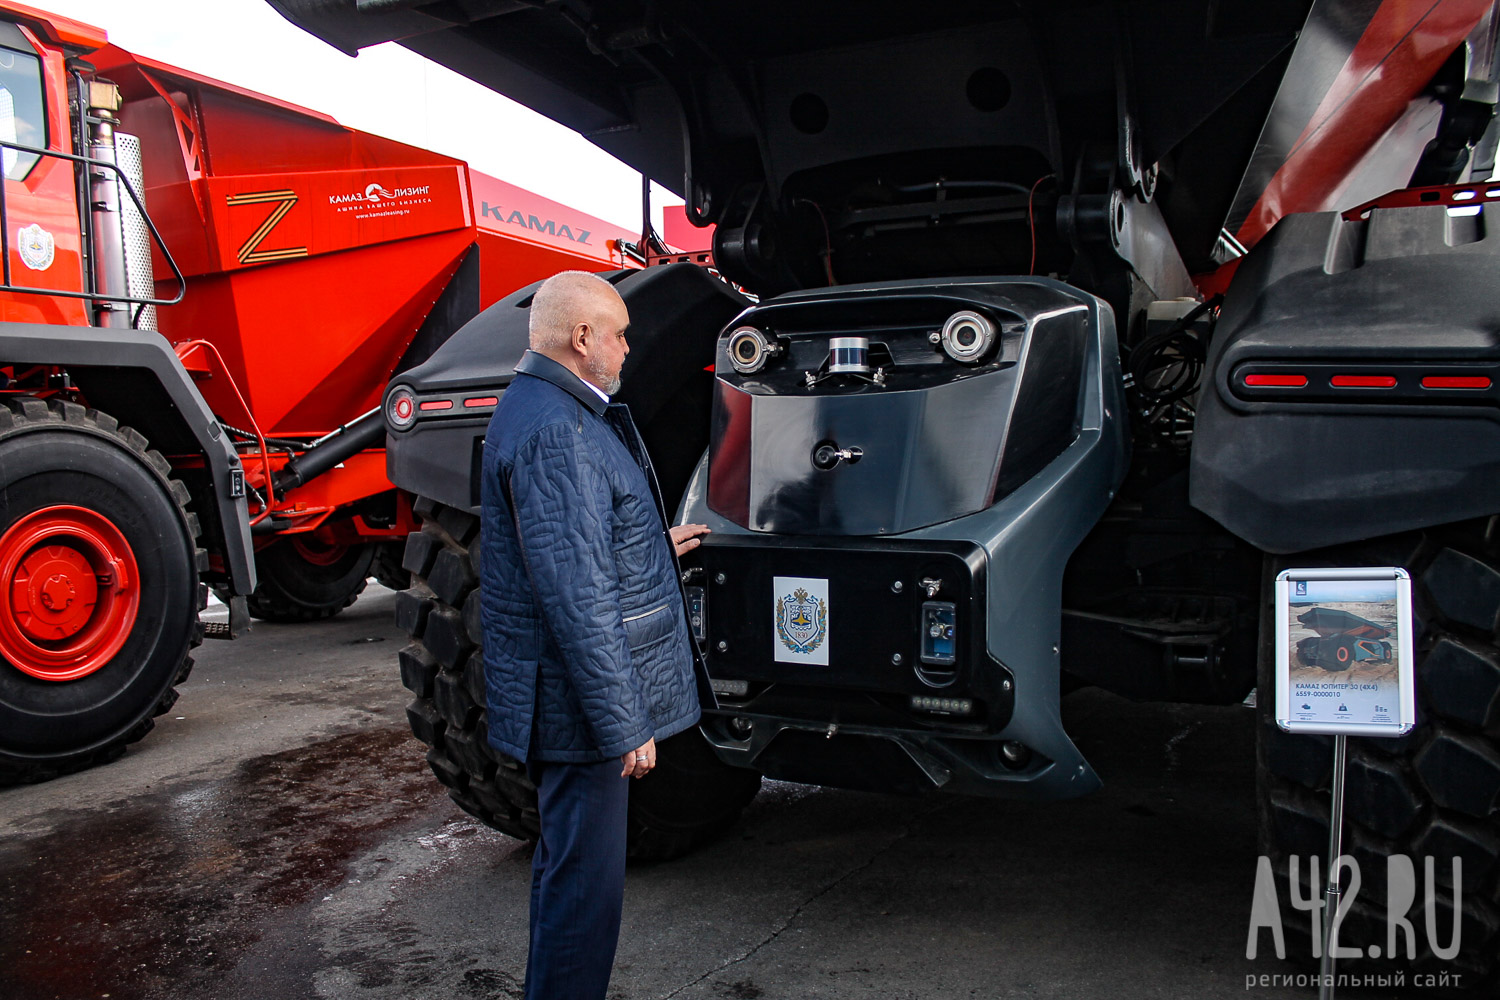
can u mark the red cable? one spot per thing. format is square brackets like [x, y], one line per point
[827, 239]
[265, 454]
[1031, 220]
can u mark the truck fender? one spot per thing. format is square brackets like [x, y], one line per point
[135, 376]
[1353, 380]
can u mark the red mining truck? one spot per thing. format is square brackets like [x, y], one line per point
[205, 292]
[989, 429]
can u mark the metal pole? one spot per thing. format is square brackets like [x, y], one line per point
[1332, 892]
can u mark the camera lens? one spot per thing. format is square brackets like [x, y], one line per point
[967, 336]
[749, 349]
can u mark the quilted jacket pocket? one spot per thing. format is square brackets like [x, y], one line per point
[645, 628]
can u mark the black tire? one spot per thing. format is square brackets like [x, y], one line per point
[1433, 792]
[386, 567]
[57, 454]
[295, 587]
[688, 800]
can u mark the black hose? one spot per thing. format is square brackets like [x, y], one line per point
[366, 432]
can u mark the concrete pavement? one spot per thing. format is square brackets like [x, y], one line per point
[279, 837]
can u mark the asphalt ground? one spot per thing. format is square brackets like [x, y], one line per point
[279, 837]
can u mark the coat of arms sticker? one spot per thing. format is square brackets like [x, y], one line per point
[36, 246]
[801, 619]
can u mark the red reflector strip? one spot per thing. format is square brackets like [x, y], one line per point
[1276, 381]
[481, 401]
[1363, 381]
[436, 404]
[1455, 382]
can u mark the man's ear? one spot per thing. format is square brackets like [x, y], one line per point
[582, 338]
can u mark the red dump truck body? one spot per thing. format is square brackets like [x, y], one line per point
[313, 254]
[203, 293]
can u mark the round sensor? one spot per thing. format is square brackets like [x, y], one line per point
[968, 336]
[401, 408]
[849, 355]
[749, 350]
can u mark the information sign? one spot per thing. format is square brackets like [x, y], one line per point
[1344, 651]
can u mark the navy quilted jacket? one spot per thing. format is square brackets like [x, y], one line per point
[586, 648]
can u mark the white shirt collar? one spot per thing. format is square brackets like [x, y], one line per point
[597, 391]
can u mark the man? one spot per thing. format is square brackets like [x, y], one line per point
[588, 659]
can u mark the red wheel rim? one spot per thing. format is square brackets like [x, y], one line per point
[69, 592]
[317, 551]
[1342, 653]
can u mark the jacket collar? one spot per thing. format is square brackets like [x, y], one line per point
[542, 367]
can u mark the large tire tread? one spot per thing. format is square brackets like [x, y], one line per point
[443, 668]
[386, 567]
[21, 414]
[282, 593]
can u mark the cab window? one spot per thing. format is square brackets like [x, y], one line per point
[23, 115]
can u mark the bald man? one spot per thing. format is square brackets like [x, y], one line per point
[588, 657]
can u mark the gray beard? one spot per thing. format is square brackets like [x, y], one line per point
[594, 368]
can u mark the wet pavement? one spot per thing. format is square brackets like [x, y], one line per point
[279, 837]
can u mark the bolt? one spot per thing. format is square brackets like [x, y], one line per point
[57, 593]
[896, 659]
[719, 578]
[723, 646]
[1006, 685]
[1014, 754]
[897, 587]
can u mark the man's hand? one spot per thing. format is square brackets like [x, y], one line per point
[685, 537]
[639, 762]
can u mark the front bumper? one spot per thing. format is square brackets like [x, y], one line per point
[893, 707]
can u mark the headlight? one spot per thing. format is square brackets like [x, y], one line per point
[968, 336]
[749, 350]
[401, 408]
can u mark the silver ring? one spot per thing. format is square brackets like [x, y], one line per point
[641, 756]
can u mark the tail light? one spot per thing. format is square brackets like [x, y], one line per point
[401, 408]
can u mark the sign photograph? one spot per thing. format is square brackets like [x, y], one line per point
[1344, 655]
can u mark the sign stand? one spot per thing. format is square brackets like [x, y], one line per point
[1344, 667]
[1333, 892]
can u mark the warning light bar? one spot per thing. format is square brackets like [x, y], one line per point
[1402, 383]
[941, 706]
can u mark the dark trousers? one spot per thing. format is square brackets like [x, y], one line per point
[577, 879]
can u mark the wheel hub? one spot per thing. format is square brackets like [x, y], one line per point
[68, 593]
[319, 550]
[54, 592]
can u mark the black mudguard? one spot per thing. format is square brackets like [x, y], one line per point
[1353, 384]
[135, 376]
[676, 313]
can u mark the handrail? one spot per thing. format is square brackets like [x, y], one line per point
[129, 188]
